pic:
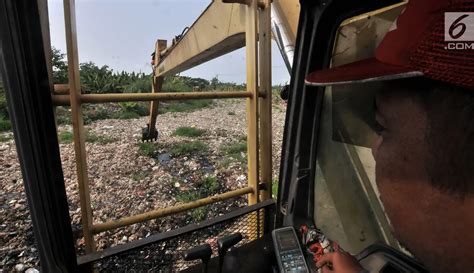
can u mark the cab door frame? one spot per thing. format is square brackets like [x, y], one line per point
[318, 23]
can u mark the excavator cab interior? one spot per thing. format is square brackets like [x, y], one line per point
[327, 177]
[327, 174]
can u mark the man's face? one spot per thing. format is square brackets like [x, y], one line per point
[415, 209]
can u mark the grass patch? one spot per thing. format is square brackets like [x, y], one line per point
[188, 148]
[188, 132]
[185, 106]
[237, 150]
[124, 110]
[210, 185]
[126, 115]
[68, 137]
[5, 124]
[63, 116]
[63, 119]
[147, 149]
[188, 196]
[207, 186]
[199, 214]
[225, 162]
[92, 138]
[5, 138]
[96, 113]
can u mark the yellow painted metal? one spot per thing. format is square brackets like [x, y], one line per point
[78, 123]
[157, 84]
[97, 228]
[227, 22]
[123, 97]
[61, 89]
[265, 104]
[252, 102]
[219, 30]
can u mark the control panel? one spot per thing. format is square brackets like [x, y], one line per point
[288, 251]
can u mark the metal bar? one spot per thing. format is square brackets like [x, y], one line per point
[78, 123]
[252, 102]
[265, 66]
[120, 97]
[155, 238]
[126, 221]
[61, 89]
[157, 84]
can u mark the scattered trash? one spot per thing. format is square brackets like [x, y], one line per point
[164, 157]
[118, 170]
[20, 267]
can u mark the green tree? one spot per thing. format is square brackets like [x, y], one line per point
[198, 83]
[96, 79]
[215, 82]
[139, 84]
[59, 66]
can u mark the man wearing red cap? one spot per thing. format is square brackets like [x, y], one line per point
[425, 150]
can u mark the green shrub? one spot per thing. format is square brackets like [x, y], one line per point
[188, 148]
[188, 132]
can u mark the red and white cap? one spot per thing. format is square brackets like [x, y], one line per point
[415, 46]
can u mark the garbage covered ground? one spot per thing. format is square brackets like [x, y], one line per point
[197, 154]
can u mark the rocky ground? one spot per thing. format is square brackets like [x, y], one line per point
[128, 177]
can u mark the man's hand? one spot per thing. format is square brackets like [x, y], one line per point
[339, 262]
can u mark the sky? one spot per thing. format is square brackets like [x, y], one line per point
[122, 34]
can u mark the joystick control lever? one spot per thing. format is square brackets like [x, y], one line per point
[224, 244]
[202, 252]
